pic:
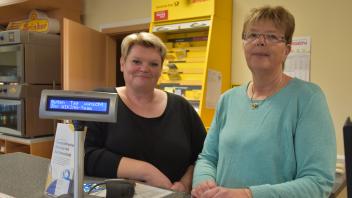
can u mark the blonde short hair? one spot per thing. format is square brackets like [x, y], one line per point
[281, 18]
[144, 39]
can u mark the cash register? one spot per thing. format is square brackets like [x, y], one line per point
[78, 106]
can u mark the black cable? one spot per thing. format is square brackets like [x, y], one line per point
[96, 185]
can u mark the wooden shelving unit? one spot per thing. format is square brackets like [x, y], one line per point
[14, 10]
[41, 146]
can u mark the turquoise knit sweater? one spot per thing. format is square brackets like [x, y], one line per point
[284, 148]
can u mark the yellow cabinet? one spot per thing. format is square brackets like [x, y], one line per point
[197, 34]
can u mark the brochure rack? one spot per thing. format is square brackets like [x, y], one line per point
[197, 34]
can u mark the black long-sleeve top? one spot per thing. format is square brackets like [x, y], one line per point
[171, 142]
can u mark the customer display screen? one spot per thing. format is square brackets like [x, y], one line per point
[78, 105]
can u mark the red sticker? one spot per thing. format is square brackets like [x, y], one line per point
[161, 15]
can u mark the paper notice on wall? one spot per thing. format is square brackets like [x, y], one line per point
[214, 79]
[60, 175]
[298, 61]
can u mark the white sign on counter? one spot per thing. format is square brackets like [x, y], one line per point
[60, 174]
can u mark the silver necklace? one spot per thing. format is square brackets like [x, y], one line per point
[255, 105]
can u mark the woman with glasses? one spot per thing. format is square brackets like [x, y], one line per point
[273, 136]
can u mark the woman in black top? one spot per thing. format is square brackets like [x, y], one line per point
[157, 136]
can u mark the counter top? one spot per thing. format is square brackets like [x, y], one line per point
[23, 175]
[26, 141]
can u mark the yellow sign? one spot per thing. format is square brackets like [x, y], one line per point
[36, 22]
[40, 25]
[166, 10]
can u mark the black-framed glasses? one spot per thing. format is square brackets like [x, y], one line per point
[268, 37]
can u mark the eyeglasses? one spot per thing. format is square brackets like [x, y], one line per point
[268, 37]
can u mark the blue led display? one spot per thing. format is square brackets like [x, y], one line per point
[78, 105]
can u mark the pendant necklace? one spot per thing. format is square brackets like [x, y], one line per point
[254, 104]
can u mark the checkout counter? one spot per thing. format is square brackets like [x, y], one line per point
[24, 176]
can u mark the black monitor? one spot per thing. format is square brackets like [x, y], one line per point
[347, 138]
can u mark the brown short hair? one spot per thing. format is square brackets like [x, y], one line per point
[145, 39]
[281, 18]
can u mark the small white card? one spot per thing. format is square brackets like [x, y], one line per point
[60, 175]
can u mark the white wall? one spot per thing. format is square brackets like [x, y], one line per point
[327, 22]
[102, 12]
